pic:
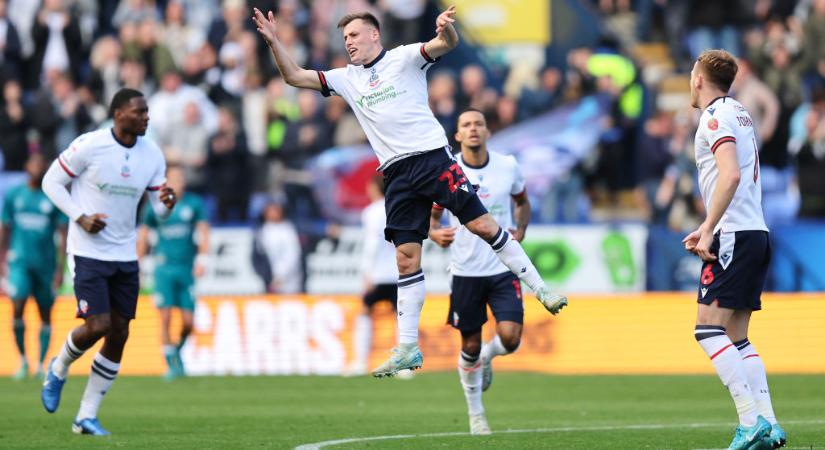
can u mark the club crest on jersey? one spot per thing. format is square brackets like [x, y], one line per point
[374, 80]
[455, 319]
[124, 171]
[83, 306]
[713, 124]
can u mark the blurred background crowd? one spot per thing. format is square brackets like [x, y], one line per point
[250, 143]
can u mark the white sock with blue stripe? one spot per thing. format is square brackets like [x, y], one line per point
[410, 301]
[101, 378]
[510, 253]
[69, 353]
[469, 372]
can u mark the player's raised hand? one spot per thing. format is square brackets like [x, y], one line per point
[443, 237]
[265, 25]
[168, 197]
[444, 19]
[92, 224]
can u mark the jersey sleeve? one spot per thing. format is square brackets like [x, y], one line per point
[518, 187]
[719, 129]
[8, 204]
[332, 81]
[159, 177]
[76, 158]
[200, 211]
[415, 55]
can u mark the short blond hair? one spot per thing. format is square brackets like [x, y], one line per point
[719, 67]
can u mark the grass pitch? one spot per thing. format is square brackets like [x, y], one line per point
[556, 412]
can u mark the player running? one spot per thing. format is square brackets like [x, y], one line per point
[479, 278]
[378, 271]
[35, 261]
[180, 257]
[387, 90]
[734, 245]
[109, 171]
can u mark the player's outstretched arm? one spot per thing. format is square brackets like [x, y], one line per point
[293, 74]
[521, 213]
[446, 38]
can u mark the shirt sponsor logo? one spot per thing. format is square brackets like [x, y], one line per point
[381, 96]
[117, 190]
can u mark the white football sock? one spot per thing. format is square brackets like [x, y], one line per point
[69, 353]
[410, 301]
[101, 378]
[510, 253]
[730, 368]
[755, 371]
[469, 372]
[493, 348]
[362, 340]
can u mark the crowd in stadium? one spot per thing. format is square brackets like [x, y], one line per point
[219, 108]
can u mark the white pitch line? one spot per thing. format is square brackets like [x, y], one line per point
[322, 444]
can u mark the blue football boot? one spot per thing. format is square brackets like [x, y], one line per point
[89, 426]
[52, 387]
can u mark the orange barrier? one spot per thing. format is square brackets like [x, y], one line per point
[623, 334]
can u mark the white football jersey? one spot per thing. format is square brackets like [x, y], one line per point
[496, 183]
[109, 178]
[377, 255]
[390, 99]
[726, 120]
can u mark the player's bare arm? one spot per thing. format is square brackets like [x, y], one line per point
[202, 230]
[443, 237]
[521, 213]
[293, 74]
[62, 238]
[699, 241]
[446, 37]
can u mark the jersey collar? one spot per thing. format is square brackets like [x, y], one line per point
[377, 58]
[714, 100]
[122, 144]
[479, 166]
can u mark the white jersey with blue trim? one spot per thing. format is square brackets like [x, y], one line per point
[726, 120]
[110, 178]
[390, 99]
[496, 183]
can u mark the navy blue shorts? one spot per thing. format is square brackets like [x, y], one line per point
[379, 292]
[413, 184]
[469, 297]
[100, 286]
[735, 280]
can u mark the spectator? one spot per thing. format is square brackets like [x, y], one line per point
[656, 153]
[11, 51]
[473, 82]
[180, 37]
[784, 77]
[135, 11]
[233, 21]
[758, 99]
[280, 110]
[340, 117]
[533, 102]
[442, 97]
[58, 115]
[279, 241]
[814, 42]
[104, 80]
[149, 50]
[187, 147]
[227, 167]
[133, 76]
[166, 106]
[13, 125]
[810, 166]
[712, 24]
[505, 116]
[57, 43]
[401, 20]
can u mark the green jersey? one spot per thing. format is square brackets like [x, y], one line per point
[33, 220]
[176, 243]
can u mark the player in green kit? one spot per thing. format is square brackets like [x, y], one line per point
[30, 256]
[180, 257]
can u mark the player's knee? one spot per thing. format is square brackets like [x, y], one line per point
[510, 342]
[99, 326]
[186, 328]
[118, 335]
[484, 227]
[408, 261]
[472, 348]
